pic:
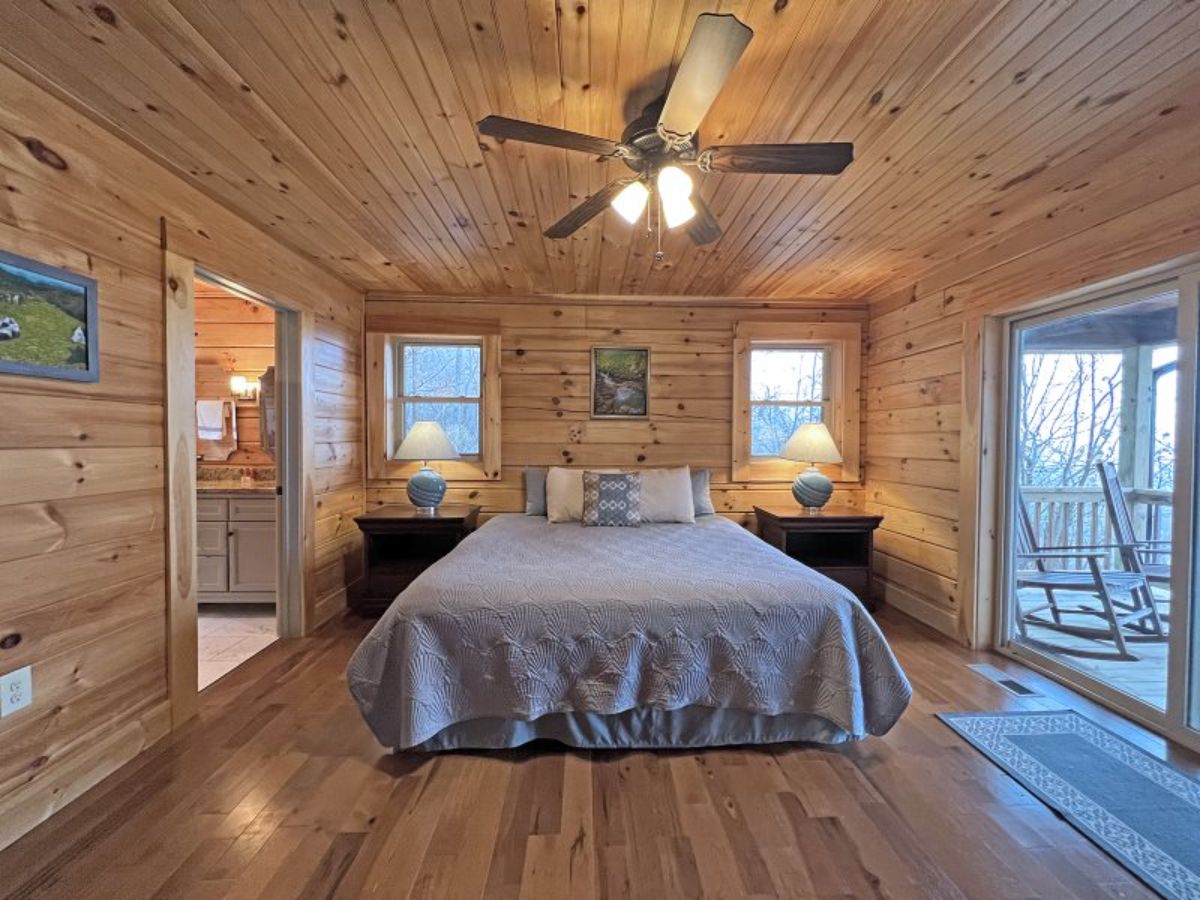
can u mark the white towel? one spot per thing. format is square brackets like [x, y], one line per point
[210, 419]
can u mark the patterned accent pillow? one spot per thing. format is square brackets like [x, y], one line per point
[612, 499]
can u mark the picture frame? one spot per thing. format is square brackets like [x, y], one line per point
[49, 321]
[620, 382]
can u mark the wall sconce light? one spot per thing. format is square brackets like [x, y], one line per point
[242, 387]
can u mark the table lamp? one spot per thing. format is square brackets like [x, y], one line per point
[426, 441]
[812, 444]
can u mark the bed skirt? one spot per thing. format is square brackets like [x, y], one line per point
[640, 727]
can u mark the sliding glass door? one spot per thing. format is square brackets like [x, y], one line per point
[1099, 499]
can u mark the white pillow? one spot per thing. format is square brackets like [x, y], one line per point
[666, 495]
[564, 493]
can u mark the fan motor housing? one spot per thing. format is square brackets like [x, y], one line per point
[642, 134]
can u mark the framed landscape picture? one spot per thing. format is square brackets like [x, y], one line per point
[48, 324]
[620, 382]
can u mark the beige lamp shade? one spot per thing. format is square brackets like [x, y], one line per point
[812, 443]
[424, 441]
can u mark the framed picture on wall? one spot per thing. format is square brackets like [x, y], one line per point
[48, 321]
[620, 382]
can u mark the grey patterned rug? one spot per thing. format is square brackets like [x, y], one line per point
[1142, 812]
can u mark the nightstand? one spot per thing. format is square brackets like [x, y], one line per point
[403, 542]
[835, 542]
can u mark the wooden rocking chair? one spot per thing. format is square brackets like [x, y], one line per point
[1144, 557]
[1098, 583]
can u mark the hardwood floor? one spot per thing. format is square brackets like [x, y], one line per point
[278, 790]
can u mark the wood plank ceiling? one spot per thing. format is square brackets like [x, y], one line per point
[346, 128]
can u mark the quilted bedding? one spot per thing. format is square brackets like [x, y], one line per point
[525, 618]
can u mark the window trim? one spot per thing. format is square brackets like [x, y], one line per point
[843, 388]
[382, 397]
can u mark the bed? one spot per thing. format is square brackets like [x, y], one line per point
[667, 635]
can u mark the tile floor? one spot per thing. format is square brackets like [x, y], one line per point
[230, 634]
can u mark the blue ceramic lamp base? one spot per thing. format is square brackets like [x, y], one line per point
[426, 488]
[812, 489]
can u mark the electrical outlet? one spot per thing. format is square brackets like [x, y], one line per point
[16, 691]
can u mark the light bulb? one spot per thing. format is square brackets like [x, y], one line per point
[677, 210]
[237, 385]
[674, 184]
[631, 202]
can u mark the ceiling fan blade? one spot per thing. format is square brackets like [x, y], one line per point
[778, 159]
[703, 227]
[533, 133]
[716, 44]
[587, 210]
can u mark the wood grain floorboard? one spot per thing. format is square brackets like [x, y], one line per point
[279, 791]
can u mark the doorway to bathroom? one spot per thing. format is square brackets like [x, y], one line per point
[245, 348]
[236, 448]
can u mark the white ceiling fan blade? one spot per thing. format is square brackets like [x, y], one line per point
[716, 44]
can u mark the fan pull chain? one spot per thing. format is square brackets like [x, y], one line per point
[659, 256]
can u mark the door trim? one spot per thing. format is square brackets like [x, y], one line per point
[179, 348]
[294, 331]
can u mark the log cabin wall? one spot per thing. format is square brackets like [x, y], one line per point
[82, 560]
[545, 371]
[1063, 227]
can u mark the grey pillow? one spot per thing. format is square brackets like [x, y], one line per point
[535, 491]
[701, 498]
[611, 500]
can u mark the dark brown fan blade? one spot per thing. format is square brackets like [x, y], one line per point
[533, 133]
[704, 227]
[716, 44]
[587, 210]
[778, 159]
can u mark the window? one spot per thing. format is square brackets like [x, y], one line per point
[787, 374]
[1165, 363]
[452, 379]
[787, 390]
[441, 383]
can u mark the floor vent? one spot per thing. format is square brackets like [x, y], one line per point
[1006, 681]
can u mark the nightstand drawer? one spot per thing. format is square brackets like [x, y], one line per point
[857, 579]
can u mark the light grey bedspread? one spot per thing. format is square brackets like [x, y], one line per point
[525, 618]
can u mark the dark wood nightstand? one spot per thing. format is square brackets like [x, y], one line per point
[835, 542]
[402, 543]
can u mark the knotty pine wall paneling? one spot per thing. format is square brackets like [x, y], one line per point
[82, 494]
[545, 371]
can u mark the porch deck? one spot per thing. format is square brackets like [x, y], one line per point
[1145, 678]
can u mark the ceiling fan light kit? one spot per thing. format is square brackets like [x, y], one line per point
[631, 202]
[674, 191]
[665, 136]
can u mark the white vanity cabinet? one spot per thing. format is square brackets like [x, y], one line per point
[235, 546]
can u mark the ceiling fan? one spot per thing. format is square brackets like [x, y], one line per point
[665, 138]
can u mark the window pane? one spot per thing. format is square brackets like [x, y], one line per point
[792, 375]
[1162, 453]
[1070, 417]
[771, 426]
[460, 421]
[441, 370]
[1160, 356]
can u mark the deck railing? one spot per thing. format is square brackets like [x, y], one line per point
[1077, 516]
